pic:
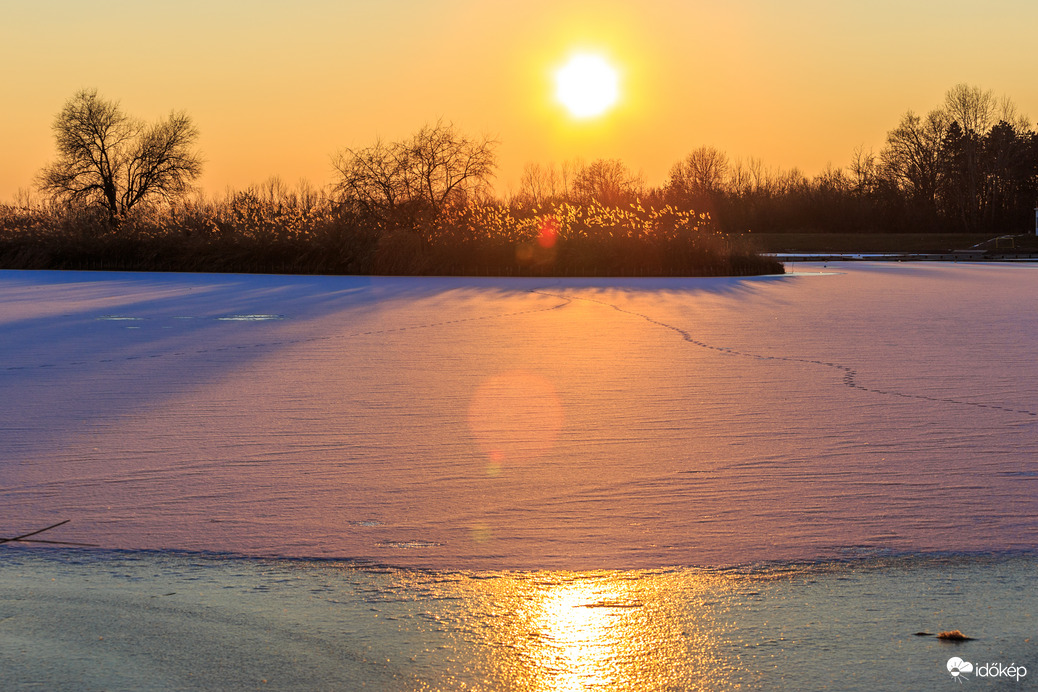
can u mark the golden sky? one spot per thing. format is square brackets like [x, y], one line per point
[276, 88]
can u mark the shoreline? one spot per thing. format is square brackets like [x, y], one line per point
[870, 556]
[953, 257]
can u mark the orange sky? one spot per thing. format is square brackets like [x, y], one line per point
[276, 88]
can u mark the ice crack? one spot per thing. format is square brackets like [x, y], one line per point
[850, 375]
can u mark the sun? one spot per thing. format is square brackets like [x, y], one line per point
[587, 85]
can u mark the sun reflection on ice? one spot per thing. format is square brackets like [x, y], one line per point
[581, 631]
[601, 631]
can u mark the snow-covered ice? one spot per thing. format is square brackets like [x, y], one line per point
[521, 423]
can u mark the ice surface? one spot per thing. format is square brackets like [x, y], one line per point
[519, 423]
[74, 620]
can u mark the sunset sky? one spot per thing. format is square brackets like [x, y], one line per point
[276, 88]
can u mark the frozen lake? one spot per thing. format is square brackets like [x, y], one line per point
[466, 423]
[415, 483]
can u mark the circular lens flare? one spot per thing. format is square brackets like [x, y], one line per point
[547, 232]
[587, 85]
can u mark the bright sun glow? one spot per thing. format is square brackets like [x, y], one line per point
[587, 85]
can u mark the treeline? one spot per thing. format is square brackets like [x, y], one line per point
[114, 200]
[970, 166]
[117, 196]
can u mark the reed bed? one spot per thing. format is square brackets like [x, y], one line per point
[255, 232]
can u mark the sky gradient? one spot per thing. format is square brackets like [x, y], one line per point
[277, 89]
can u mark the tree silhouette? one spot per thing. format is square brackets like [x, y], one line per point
[543, 184]
[699, 176]
[606, 181]
[422, 173]
[1006, 171]
[113, 161]
[912, 157]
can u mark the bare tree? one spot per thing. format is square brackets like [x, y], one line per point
[832, 180]
[1009, 113]
[739, 177]
[912, 158]
[758, 175]
[863, 171]
[984, 157]
[973, 108]
[540, 184]
[374, 178]
[110, 160]
[700, 175]
[789, 182]
[607, 181]
[448, 163]
[435, 165]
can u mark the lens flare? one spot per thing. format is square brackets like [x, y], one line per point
[548, 232]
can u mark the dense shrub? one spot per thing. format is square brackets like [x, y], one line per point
[275, 231]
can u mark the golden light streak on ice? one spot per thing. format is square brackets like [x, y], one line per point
[606, 630]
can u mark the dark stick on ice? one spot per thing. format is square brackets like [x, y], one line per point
[33, 533]
[40, 540]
